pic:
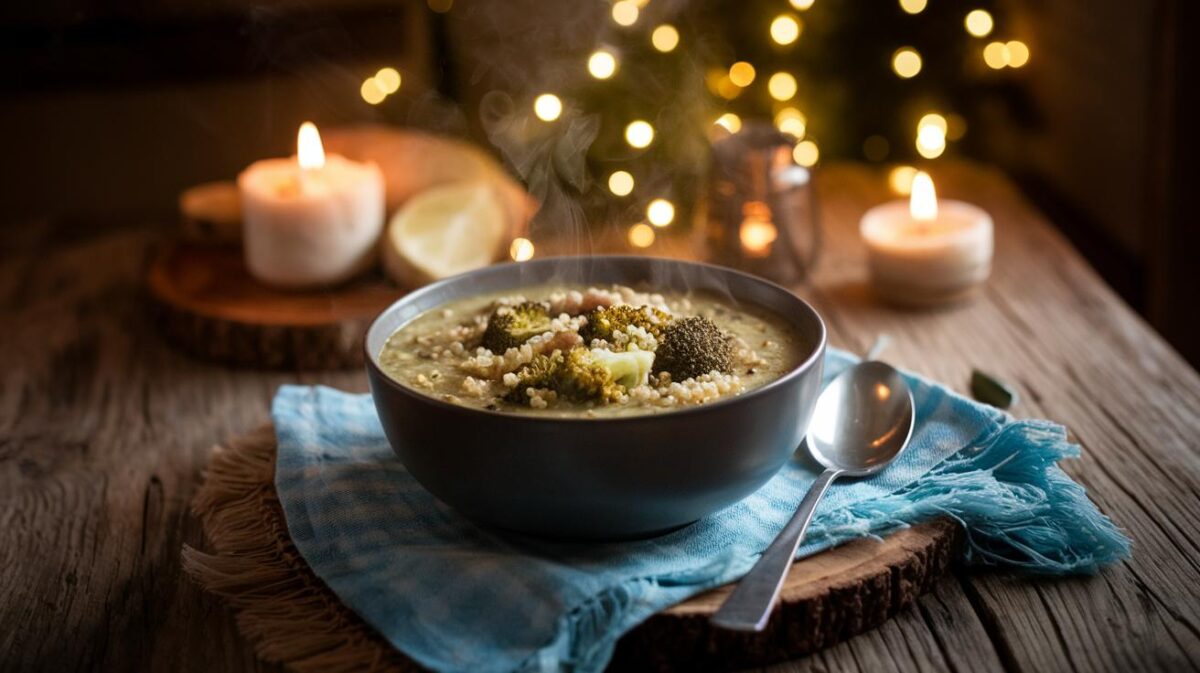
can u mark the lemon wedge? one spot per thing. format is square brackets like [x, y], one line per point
[443, 231]
[212, 213]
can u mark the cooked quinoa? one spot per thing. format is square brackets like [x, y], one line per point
[440, 353]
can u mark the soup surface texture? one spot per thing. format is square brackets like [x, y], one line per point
[591, 352]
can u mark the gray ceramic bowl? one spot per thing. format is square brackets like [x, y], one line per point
[599, 479]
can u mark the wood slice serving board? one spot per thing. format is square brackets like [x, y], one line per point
[294, 619]
[210, 305]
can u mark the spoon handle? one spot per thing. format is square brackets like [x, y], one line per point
[749, 606]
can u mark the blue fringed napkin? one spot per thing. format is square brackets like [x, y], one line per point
[456, 597]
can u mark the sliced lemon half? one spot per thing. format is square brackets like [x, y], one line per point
[443, 231]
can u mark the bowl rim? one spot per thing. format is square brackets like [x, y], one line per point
[818, 351]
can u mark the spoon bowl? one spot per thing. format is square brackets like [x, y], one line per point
[862, 421]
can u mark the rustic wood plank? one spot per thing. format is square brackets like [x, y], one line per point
[940, 633]
[961, 637]
[104, 433]
[104, 430]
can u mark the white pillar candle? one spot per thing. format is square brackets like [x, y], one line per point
[310, 220]
[924, 251]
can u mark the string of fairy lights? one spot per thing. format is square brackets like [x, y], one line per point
[934, 130]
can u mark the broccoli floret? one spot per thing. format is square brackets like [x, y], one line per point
[583, 375]
[693, 347]
[602, 321]
[537, 373]
[582, 378]
[511, 326]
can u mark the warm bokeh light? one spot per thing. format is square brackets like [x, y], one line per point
[790, 120]
[933, 119]
[388, 80]
[719, 82]
[785, 29]
[913, 6]
[782, 86]
[931, 142]
[730, 122]
[741, 73]
[1018, 53]
[931, 135]
[665, 38]
[956, 126]
[440, 6]
[757, 233]
[310, 153]
[521, 249]
[625, 12]
[602, 64]
[639, 134]
[547, 107]
[1012, 54]
[802, 4]
[712, 79]
[906, 62]
[727, 89]
[995, 54]
[979, 23]
[876, 148]
[641, 235]
[371, 92]
[660, 212]
[922, 204]
[806, 153]
[620, 183]
[900, 179]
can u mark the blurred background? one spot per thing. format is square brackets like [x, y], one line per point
[110, 109]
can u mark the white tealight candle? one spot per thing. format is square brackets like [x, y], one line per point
[313, 219]
[924, 252]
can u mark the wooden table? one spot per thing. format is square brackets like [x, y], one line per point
[106, 429]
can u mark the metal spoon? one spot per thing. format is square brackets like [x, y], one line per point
[862, 422]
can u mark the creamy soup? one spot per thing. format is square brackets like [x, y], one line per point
[590, 351]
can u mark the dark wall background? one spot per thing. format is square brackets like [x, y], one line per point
[1104, 139]
[112, 107]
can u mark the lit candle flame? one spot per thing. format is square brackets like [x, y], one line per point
[309, 150]
[922, 204]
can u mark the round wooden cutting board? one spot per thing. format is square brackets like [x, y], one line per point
[210, 306]
[827, 598]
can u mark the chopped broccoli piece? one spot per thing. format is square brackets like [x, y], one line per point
[602, 321]
[581, 378]
[693, 347]
[511, 326]
[629, 369]
[537, 373]
[583, 375]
